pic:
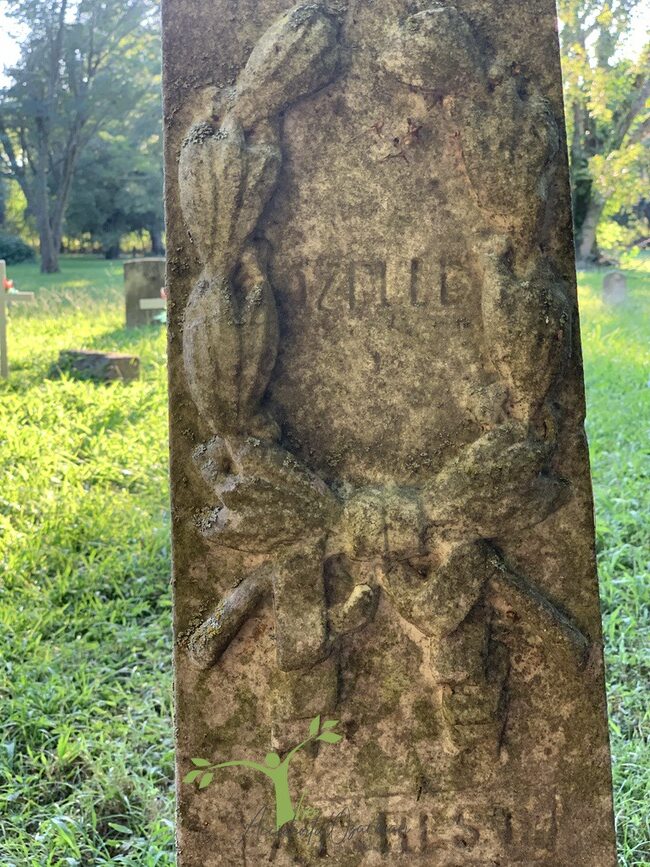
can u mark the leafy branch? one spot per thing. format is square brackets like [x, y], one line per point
[203, 771]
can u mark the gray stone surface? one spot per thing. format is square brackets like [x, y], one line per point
[614, 287]
[143, 278]
[99, 366]
[386, 604]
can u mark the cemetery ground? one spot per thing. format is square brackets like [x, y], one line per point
[85, 679]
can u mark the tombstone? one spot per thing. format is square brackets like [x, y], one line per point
[387, 633]
[98, 366]
[614, 287]
[143, 281]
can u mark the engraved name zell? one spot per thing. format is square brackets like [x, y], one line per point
[330, 283]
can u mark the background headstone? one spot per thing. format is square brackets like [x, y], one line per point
[386, 611]
[99, 366]
[614, 287]
[143, 278]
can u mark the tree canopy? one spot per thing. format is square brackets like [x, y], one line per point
[118, 186]
[81, 70]
[80, 122]
[607, 98]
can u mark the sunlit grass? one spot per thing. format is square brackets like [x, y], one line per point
[86, 741]
[616, 346]
[86, 277]
[85, 748]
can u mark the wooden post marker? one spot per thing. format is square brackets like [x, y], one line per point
[4, 361]
[7, 299]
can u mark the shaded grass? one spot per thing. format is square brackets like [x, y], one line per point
[85, 746]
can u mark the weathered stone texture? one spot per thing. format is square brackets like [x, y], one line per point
[614, 287]
[143, 278]
[381, 499]
[99, 366]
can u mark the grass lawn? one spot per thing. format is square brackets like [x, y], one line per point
[86, 742]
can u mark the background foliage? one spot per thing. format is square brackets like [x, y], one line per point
[85, 91]
[101, 133]
[13, 249]
[607, 98]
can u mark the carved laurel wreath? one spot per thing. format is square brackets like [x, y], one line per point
[266, 501]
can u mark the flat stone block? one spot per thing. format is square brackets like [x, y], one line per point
[20, 298]
[99, 366]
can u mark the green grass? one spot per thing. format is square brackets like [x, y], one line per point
[82, 279]
[616, 346]
[85, 748]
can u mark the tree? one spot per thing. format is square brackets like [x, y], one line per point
[608, 123]
[78, 71]
[3, 201]
[118, 184]
[118, 189]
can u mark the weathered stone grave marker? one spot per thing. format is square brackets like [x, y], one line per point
[98, 366]
[386, 613]
[143, 281]
[614, 287]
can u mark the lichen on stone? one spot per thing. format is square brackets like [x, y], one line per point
[199, 133]
[303, 14]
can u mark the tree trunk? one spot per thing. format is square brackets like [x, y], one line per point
[112, 251]
[157, 247]
[48, 247]
[587, 252]
[49, 250]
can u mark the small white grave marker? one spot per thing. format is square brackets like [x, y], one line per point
[153, 304]
[143, 279]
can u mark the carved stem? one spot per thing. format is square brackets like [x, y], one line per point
[299, 599]
[211, 638]
[520, 594]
